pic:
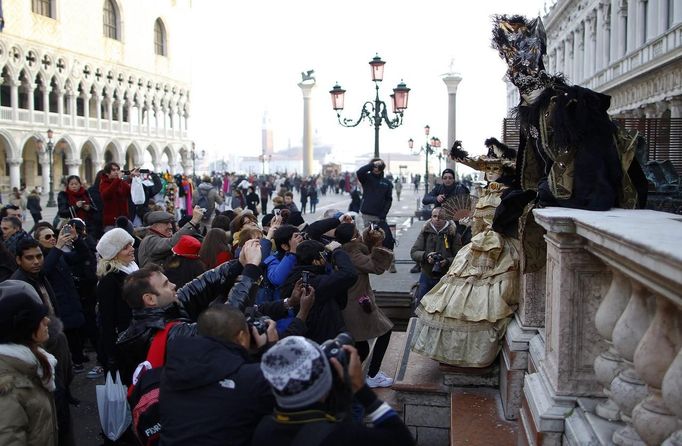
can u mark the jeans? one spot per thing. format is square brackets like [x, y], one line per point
[425, 285]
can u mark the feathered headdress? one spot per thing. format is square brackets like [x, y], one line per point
[497, 149]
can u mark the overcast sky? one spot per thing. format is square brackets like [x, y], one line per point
[248, 58]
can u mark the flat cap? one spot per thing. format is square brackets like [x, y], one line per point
[159, 217]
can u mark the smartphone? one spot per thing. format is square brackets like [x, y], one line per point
[276, 211]
[66, 229]
[305, 277]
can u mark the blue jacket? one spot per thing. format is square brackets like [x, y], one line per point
[278, 270]
[377, 192]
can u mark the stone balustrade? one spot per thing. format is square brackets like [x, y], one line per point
[609, 369]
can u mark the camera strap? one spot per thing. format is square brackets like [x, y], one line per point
[316, 425]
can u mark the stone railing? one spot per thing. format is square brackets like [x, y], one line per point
[609, 366]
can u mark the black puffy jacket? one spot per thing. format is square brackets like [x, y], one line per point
[377, 192]
[133, 344]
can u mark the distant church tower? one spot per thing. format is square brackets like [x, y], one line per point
[266, 133]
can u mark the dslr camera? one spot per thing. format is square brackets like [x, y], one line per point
[256, 320]
[437, 270]
[333, 348]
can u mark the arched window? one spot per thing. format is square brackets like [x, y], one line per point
[160, 47]
[42, 7]
[110, 13]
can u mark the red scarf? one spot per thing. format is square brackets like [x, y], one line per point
[74, 197]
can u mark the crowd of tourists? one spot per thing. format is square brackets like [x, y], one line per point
[260, 317]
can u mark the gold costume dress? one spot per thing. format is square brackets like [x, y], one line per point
[462, 320]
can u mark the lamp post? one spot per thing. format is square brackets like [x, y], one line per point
[194, 155]
[428, 148]
[375, 111]
[50, 149]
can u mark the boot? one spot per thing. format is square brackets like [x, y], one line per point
[392, 268]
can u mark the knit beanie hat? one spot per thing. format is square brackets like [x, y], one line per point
[344, 232]
[20, 314]
[298, 372]
[112, 242]
[188, 247]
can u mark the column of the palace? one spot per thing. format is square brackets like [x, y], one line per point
[71, 95]
[44, 161]
[14, 98]
[110, 114]
[615, 33]
[579, 66]
[149, 118]
[15, 172]
[97, 164]
[30, 90]
[605, 48]
[452, 81]
[663, 16]
[166, 117]
[652, 19]
[60, 105]
[172, 121]
[631, 19]
[622, 37]
[307, 91]
[46, 104]
[73, 166]
[120, 115]
[86, 108]
[156, 120]
[675, 105]
[129, 106]
[98, 98]
[562, 57]
[568, 58]
[640, 23]
[590, 45]
[599, 39]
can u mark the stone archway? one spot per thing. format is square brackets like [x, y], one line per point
[111, 154]
[149, 160]
[133, 158]
[32, 171]
[88, 167]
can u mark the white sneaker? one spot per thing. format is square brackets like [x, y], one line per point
[380, 380]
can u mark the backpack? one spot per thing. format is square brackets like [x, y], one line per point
[202, 202]
[143, 394]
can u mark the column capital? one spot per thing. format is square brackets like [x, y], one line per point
[74, 162]
[307, 88]
[14, 161]
[451, 81]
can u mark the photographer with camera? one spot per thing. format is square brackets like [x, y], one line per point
[377, 198]
[157, 245]
[212, 391]
[331, 273]
[114, 189]
[313, 387]
[434, 249]
[155, 302]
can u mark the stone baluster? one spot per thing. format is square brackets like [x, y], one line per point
[609, 363]
[672, 392]
[654, 355]
[627, 389]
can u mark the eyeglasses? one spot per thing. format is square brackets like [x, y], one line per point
[48, 236]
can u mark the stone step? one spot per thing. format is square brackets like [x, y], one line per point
[477, 418]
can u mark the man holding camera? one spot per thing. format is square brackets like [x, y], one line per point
[157, 245]
[377, 198]
[114, 190]
[434, 249]
[314, 386]
[211, 392]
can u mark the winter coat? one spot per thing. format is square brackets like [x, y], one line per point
[446, 242]
[115, 195]
[212, 197]
[58, 273]
[360, 324]
[114, 314]
[377, 192]
[252, 202]
[156, 247]
[27, 411]
[278, 269]
[133, 344]
[331, 285]
[12, 242]
[68, 209]
[33, 205]
[211, 394]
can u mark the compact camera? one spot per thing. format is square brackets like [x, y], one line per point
[256, 320]
[333, 348]
[437, 270]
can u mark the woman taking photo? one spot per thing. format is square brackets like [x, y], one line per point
[75, 201]
[117, 261]
[27, 410]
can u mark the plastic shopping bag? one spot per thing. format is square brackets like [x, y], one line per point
[137, 191]
[114, 412]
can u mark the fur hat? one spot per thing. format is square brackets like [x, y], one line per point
[20, 314]
[187, 247]
[112, 242]
[298, 372]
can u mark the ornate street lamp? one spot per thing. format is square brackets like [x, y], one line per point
[375, 111]
[195, 156]
[428, 148]
[50, 149]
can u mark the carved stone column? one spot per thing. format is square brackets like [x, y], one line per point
[627, 389]
[14, 99]
[73, 166]
[46, 104]
[661, 342]
[14, 172]
[672, 392]
[45, 167]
